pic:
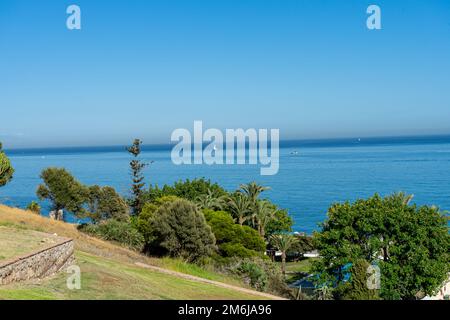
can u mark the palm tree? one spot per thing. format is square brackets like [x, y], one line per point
[283, 242]
[253, 190]
[263, 214]
[210, 201]
[239, 205]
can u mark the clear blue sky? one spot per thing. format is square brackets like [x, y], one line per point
[144, 68]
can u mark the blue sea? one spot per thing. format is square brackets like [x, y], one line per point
[313, 174]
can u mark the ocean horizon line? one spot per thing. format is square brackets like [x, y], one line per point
[288, 143]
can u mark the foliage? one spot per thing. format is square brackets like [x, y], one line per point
[412, 243]
[264, 214]
[63, 191]
[34, 207]
[178, 229]
[281, 222]
[113, 230]
[211, 201]
[283, 242]
[145, 224]
[233, 239]
[189, 189]
[253, 190]
[6, 169]
[137, 187]
[105, 203]
[240, 207]
[357, 288]
[302, 245]
[261, 274]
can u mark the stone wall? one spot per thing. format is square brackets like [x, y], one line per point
[38, 264]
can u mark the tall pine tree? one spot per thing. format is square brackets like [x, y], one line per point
[137, 187]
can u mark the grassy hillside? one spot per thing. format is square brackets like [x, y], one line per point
[110, 271]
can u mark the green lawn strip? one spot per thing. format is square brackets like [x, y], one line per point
[198, 271]
[109, 279]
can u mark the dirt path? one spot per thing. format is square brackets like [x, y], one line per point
[216, 283]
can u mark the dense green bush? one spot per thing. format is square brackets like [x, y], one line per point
[113, 230]
[234, 239]
[232, 249]
[261, 274]
[177, 229]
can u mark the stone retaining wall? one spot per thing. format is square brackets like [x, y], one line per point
[38, 264]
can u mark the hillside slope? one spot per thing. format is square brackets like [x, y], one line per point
[110, 271]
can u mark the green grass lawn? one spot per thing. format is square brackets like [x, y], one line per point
[300, 266]
[108, 279]
[294, 269]
[108, 270]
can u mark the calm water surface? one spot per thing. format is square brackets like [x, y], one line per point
[307, 183]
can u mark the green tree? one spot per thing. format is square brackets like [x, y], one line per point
[179, 229]
[283, 242]
[210, 201]
[233, 239]
[145, 220]
[302, 245]
[240, 206]
[412, 243]
[265, 213]
[137, 168]
[188, 189]
[358, 289]
[105, 203]
[253, 190]
[6, 169]
[63, 191]
[281, 222]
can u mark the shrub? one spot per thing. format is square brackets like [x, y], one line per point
[234, 239]
[113, 230]
[261, 274]
[232, 249]
[178, 229]
[34, 207]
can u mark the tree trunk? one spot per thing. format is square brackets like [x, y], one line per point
[283, 263]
